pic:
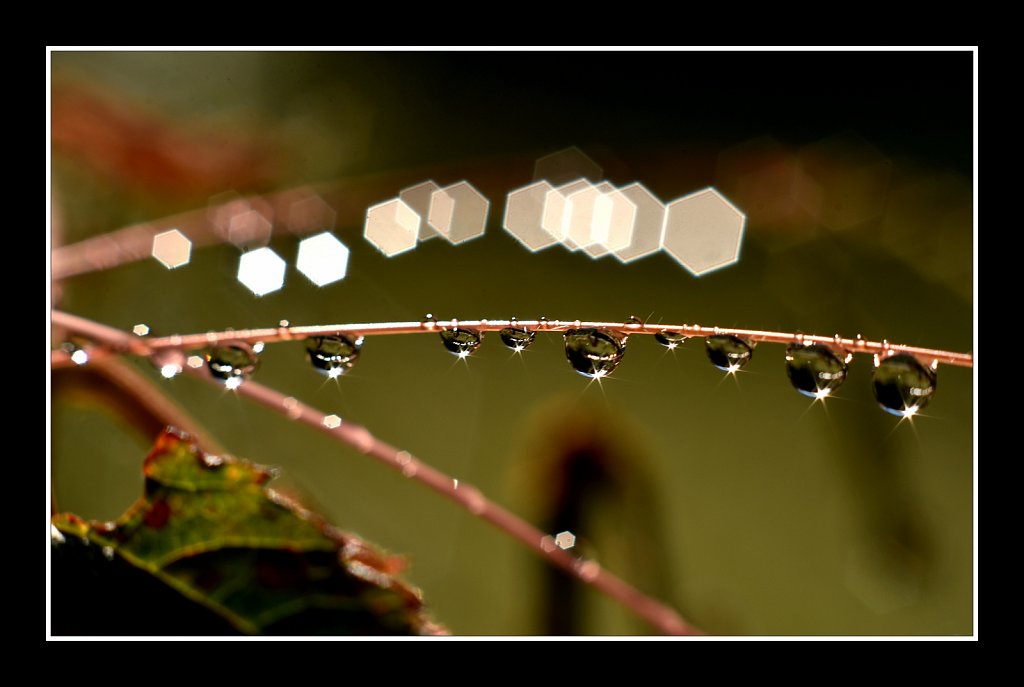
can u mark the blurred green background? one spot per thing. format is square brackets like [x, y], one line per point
[737, 502]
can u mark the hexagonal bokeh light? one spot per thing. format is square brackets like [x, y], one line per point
[392, 227]
[261, 271]
[172, 249]
[459, 212]
[418, 198]
[556, 212]
[323, 259]
[524, 211]
[600, 219]
[648, 225]
[703, 231]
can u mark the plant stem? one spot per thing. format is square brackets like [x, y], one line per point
[270, 335]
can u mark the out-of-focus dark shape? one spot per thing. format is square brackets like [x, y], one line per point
[566, 165]
[146, 150]
[844, 182]
[596, 492]
[763, 177]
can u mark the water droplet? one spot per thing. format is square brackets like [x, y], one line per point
[593, 353]
[588, 570]
[80, 356]
[428, 321]
[259, 346]
[565, 540]
[169, 361]
[903, 385]
[140, 330]
[331, 421]
[333, 355]
[860, 340]
[517, 338]
[728, 352]
[543, 321]
[210, 461]
[814, 370]
[291, 405]
[633, 319]
[284, 323]
[669, 339]
[461, 342]
[195, 361]
[232, 363]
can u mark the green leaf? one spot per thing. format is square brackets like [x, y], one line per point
[210, 549]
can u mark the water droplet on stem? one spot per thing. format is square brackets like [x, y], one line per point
[814, 370]
[728, 352]
[669, 339]
[903, 385]
[517, 338]
[232, 363]
[333, 355]
[593, 353]
[461, 342]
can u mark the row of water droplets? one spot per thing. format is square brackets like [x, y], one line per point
[902, 384]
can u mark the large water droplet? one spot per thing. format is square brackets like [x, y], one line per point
[232, 363]
[333, 355]
[903, 385]
[669, 339]
[517, 338]
[461, 342]
[814, 370]
[593, 353]
[728, 352]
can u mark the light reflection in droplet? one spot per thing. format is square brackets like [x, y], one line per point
[140, 330]
[331, 421]
[80, 357]
[195, 361]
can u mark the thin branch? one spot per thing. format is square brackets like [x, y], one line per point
[469, 497]
[270, 335]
